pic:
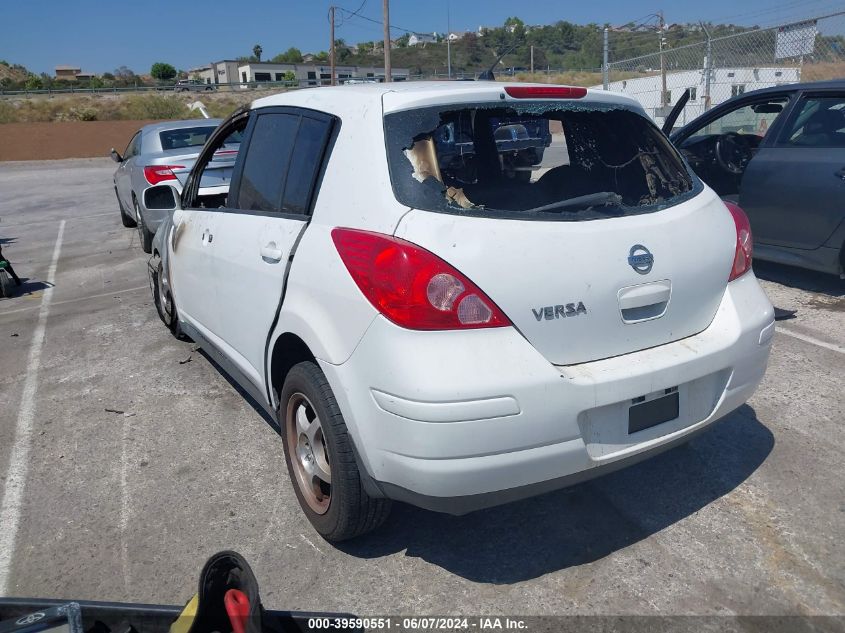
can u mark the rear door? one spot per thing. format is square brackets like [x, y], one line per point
[793, 190]
[255, 238]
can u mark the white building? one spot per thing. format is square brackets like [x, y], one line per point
[724, 84]
[421, 38]
[235, 72]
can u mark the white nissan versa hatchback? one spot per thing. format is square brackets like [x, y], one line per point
[460, 294]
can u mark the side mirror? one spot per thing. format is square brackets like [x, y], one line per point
[162, 198]
[115, 155]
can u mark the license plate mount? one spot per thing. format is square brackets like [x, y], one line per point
[644, 415]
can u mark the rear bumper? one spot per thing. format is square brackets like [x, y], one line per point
[456, 421]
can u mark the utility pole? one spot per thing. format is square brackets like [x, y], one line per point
[708, 68]
[532, 60]
[448, 40]
[331, 45]
[388, 71]
[604, 68]
[662, 59]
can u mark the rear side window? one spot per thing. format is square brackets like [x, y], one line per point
[543, 160]
[307, 155]
[267, 160]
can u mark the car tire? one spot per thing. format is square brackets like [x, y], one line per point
[128, 220]
[339, 509]
[163, 300]
[143, 232]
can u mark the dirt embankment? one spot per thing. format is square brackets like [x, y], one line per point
[65, 139]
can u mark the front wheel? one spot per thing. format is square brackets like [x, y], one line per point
[321, 461]
[163, 299]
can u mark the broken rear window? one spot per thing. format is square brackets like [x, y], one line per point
[541, 160]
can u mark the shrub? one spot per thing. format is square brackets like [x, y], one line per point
[142, 107]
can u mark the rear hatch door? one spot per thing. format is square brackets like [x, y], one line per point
[608, 245]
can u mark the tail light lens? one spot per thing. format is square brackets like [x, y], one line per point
[413, 287]
[159, 173]
[744, 242]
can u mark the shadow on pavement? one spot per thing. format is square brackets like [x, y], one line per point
[587, 522]
[808, 280]
[27, 286]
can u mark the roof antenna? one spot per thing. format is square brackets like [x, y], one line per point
[487, 75]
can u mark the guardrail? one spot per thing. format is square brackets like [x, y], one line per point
[258, 85]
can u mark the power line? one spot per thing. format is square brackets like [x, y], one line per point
[395, 27]
[350, 14]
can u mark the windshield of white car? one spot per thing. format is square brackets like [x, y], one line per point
[528, 160]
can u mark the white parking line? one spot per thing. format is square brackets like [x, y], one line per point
[813, 341]
[10, 511]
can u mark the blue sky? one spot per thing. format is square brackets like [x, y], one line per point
[100, 35]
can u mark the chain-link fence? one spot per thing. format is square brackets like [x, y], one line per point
[718, 68]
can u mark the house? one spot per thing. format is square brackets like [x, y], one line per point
[73, 73]
[454, 36]
[421, 38]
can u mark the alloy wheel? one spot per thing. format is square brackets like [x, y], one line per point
[308, 452]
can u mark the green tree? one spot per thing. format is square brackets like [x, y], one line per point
[257, 50]
[162, 71]
[33, 82]
[291, 56]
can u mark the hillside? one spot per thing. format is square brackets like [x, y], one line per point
[558, 46]
[12, 73]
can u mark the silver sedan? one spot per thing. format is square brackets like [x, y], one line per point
[165, 152]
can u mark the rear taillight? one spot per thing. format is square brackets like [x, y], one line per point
[744, 243]
[159, 173]
[546, 92]
[413, 287]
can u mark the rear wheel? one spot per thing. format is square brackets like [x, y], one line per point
[127, 219]
[143, 232]
[321, 461]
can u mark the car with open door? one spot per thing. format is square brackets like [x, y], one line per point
[780, 154]
[426, 326]
[164, 152]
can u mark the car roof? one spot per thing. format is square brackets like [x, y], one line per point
[396, 96]
[808, 85]
[177, 125]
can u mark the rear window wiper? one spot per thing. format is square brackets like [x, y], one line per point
[600, 199]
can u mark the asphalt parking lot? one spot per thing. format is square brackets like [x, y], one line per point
[134, 459]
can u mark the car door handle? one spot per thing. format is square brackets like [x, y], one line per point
[840, 174]
[271, 254]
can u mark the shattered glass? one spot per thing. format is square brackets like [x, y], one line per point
[524, 160]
